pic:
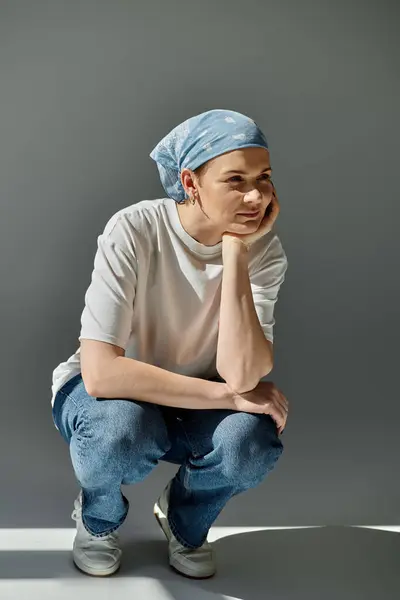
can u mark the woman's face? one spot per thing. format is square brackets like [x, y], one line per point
[234, 189]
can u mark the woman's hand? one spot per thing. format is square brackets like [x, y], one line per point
[270, 216]
[266, 399]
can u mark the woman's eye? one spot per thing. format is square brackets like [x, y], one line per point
[238, 178]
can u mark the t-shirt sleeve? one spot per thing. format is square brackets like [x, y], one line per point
[266, 280]
[109, 299]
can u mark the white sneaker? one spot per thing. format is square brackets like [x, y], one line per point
[198, 563]
[100, 556]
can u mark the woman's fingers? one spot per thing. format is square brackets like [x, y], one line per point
[281, 401]
[282, 406]
[276, 411]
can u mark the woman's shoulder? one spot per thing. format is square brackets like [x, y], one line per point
[134, 220]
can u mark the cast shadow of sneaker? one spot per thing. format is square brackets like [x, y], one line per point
[328, 563]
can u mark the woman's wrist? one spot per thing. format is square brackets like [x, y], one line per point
[235, 252]
[224, 397]
[235, 242]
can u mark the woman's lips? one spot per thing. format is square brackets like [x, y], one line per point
[250, 214]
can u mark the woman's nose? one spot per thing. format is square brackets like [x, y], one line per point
[253, 196]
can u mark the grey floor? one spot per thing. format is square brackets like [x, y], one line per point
[327, 563]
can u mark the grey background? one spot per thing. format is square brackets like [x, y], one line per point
[87, 89]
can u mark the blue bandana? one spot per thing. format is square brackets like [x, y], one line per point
[199, 139]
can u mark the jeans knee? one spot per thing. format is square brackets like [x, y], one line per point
[134, 424]
[263, 461]
[250, 450]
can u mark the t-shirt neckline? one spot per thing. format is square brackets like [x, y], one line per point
[187, 239]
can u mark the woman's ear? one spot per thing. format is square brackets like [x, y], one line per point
[188, 182]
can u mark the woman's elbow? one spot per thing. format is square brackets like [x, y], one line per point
[248, 382]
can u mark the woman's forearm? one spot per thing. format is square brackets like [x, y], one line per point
[244, 355]
[124, 377]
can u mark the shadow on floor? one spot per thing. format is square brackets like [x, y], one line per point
[327, 563]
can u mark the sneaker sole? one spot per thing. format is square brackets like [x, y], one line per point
[177, 567]
[95, 572]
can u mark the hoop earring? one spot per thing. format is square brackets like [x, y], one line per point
[192, 200]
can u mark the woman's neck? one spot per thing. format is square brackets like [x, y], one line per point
[197, 224]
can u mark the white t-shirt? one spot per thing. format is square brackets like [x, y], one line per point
[155, 291]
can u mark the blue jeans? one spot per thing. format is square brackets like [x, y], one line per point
[112, 442]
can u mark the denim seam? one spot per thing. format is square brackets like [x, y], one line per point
[83, 439]
[67, 396]
[99, 535]
[186, 476]
[189, 443]
[108, 531]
